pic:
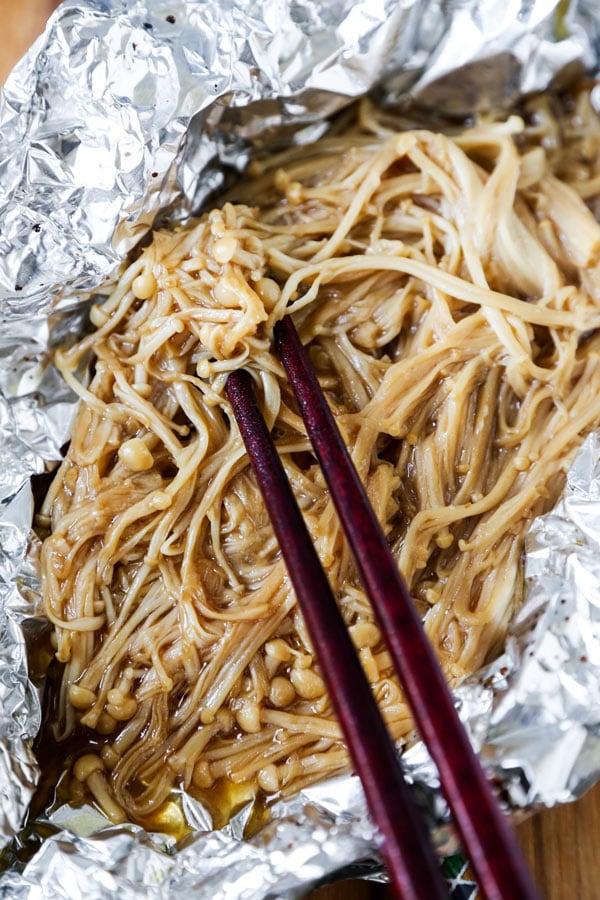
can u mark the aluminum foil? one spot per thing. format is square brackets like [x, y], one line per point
[126, 111]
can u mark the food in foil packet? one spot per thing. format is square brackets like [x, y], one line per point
[443, 274]
[446, 288]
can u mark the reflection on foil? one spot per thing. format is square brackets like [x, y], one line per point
[124, 111]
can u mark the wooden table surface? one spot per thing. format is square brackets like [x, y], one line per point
[562, 844]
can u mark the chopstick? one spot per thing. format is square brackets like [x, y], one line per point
[411, 863]
[483, 828]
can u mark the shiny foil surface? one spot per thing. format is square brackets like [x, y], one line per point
[129, 111]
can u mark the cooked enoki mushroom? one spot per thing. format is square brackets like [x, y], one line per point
[447, 289]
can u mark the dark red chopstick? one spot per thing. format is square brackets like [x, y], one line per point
[413, 868]
[484, 830]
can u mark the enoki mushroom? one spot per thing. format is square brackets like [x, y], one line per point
[448, 291]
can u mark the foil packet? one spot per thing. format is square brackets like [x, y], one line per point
[126, 112]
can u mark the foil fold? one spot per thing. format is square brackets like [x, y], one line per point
[125, 113]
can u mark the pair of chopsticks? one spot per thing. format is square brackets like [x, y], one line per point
[485, 833]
